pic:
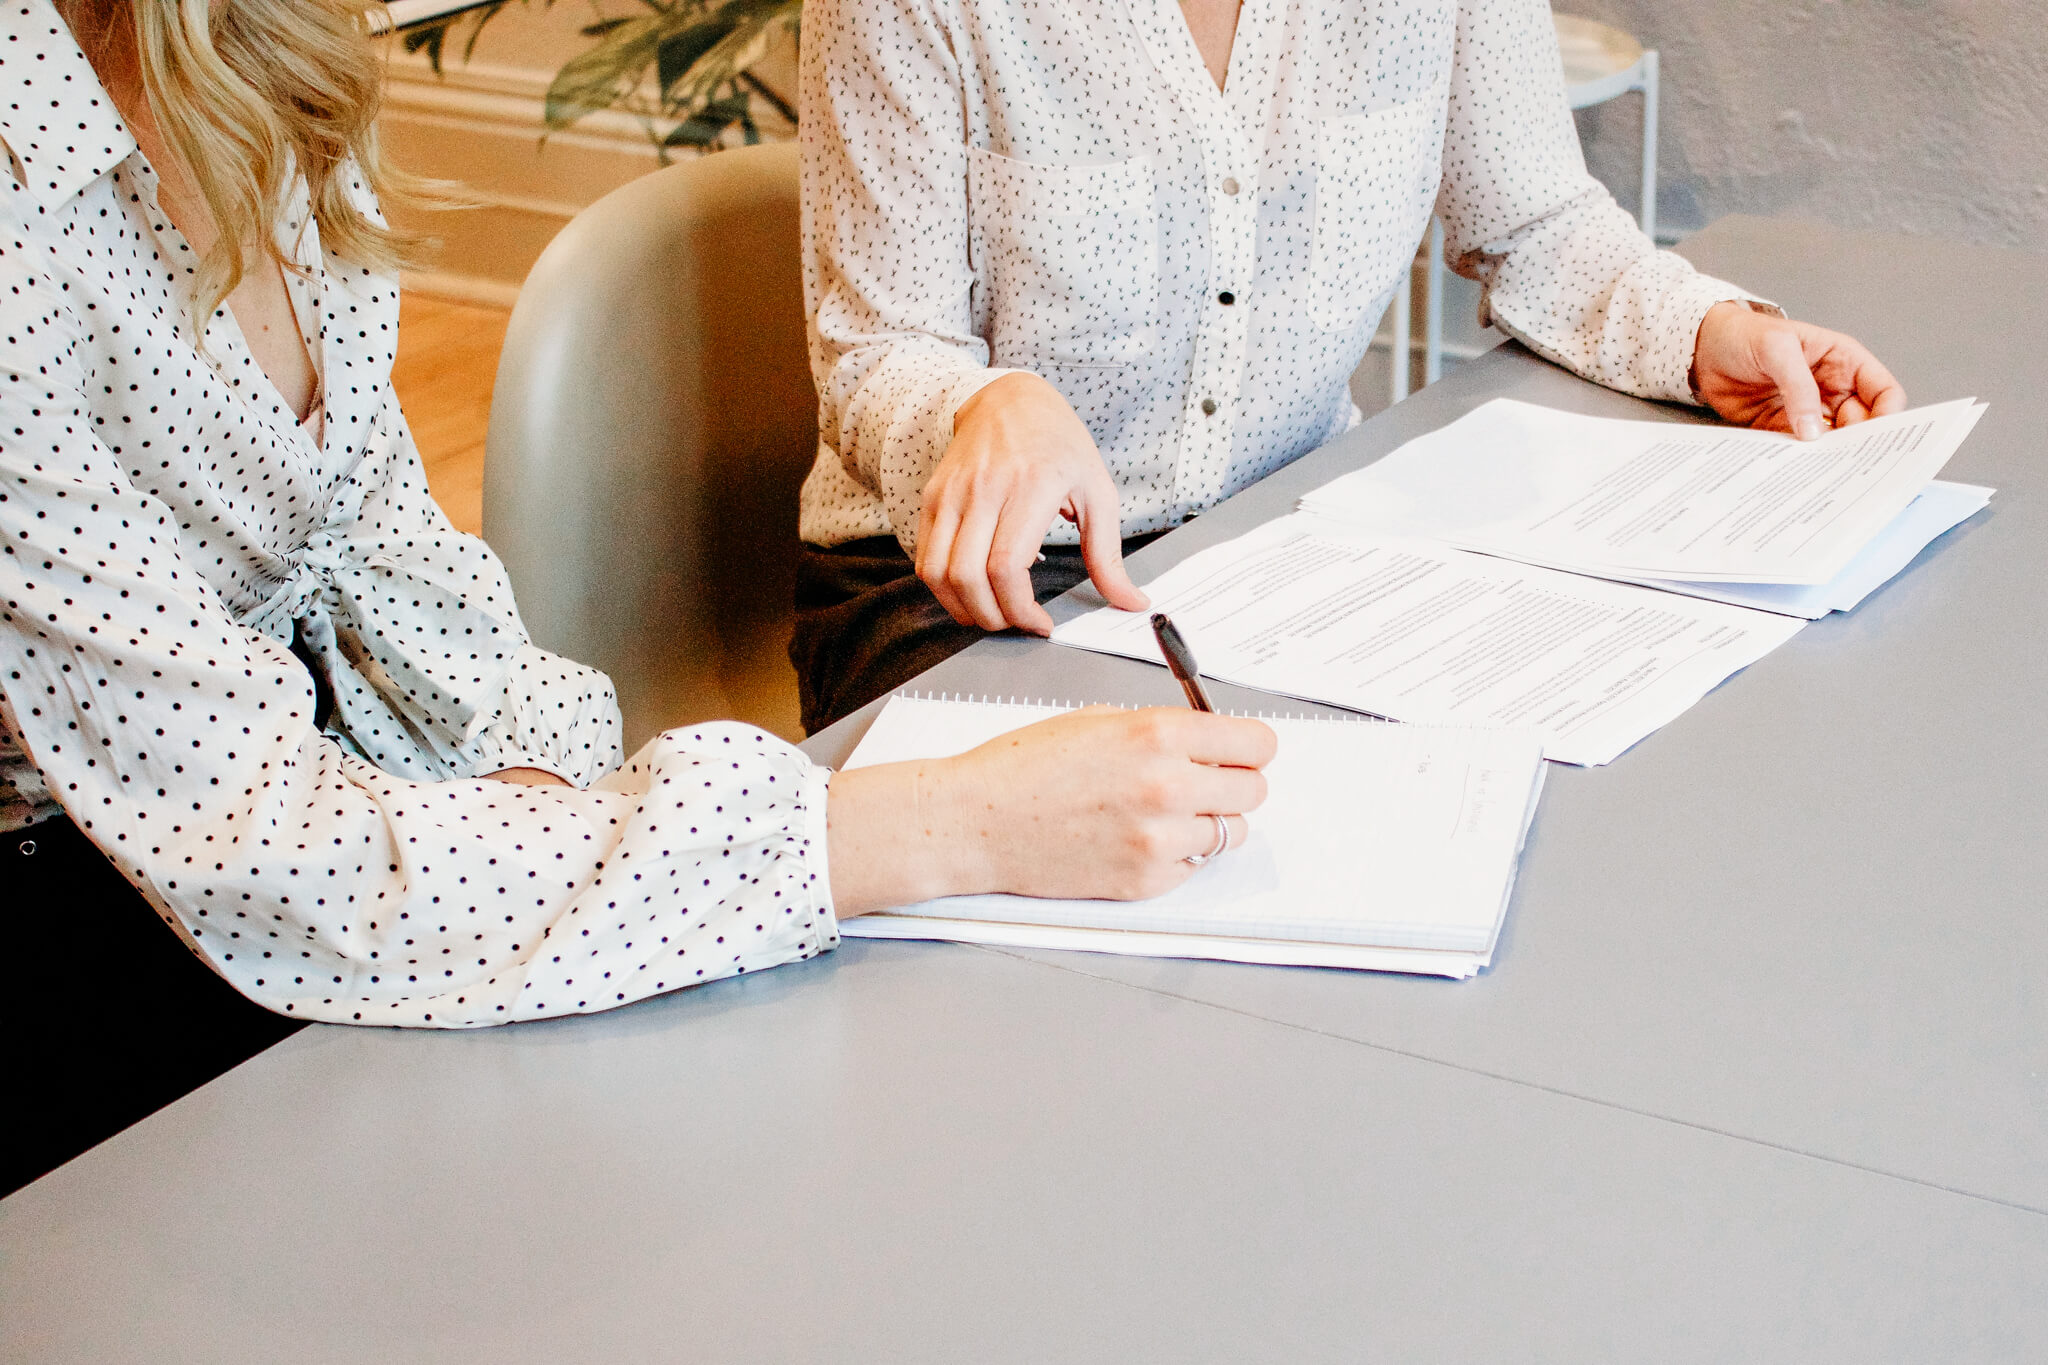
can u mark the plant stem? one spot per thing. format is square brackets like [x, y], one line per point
[782, 106]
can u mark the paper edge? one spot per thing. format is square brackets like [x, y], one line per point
[1456, 966]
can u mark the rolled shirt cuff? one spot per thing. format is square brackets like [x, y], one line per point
[1668, 375]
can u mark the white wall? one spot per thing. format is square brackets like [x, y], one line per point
[1926, 116]
[1920, 116]
[542, 37]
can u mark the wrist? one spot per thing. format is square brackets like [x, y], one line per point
[1716, 315]
[952, 821]
[1006, 387]
[896, 836]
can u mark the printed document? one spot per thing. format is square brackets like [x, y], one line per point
[1662, 500]
[1417, 631]
[1940, 508]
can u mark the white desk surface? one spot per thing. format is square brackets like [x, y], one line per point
[1760, 1073]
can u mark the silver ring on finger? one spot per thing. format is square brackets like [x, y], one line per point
[1222, 844]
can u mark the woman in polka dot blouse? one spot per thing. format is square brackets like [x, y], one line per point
[255, 688]
[1080, 270]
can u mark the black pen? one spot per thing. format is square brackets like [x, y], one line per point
[1180, 660]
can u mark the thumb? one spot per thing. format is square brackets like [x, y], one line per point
[1783, 361]
[1102, 545]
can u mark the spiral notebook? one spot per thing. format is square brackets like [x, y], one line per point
[1380, 846]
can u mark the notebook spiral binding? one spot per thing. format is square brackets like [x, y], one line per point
[1049, 703]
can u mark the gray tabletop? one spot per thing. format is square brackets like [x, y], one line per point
[1760, 1072]
[1813, 911]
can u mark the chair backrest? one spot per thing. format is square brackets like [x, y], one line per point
[653, 420]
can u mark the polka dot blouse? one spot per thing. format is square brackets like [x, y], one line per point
[170, 533]
[1058, 186]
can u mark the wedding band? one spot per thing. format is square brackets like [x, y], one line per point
[1222, 844]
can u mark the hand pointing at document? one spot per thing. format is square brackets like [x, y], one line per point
[1775, 374]
[1019, 457]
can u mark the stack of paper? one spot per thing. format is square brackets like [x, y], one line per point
[1417, 631]
[1742, 516]
[1585, 577]
[1384, 847]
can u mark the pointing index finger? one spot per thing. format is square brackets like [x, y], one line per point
[1102, 549]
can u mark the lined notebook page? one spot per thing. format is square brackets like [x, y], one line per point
[1379, 835]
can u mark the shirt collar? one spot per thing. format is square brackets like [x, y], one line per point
[56, 117]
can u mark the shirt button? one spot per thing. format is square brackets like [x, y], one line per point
[1229, 185]
[1208, 407]
[1226, 298]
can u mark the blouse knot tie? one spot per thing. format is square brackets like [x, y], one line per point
[399, 644]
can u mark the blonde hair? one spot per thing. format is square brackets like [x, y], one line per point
[249, 91]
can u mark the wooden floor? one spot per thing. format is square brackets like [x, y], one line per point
[447, 359]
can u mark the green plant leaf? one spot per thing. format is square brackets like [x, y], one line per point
[703, 128]
[739, 49]
[605, 75]
[693, 132]
[775, 101]
[429, 39]
[692, 49]
[681, 51]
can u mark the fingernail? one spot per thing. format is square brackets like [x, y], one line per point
[1807, 428]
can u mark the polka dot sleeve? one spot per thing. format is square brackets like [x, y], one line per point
[893, 344]
[1565, 269]
[545, 711]
[316, 882]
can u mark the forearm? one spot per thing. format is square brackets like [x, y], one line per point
[452, 905]
[888, 284]
[1096, 803]
[895, 838]
[1587, 290]
[1565, 269]
[888, 412]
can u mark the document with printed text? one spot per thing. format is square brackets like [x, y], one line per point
[1940, 508]
[1416, 631]
[1652, 500]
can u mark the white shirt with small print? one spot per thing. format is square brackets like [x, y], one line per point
[169, 529]
[1060, 187]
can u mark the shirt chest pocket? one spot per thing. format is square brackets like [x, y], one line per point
[1376, 180]
[1070, 258]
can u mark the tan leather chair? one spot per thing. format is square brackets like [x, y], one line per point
[653, 420]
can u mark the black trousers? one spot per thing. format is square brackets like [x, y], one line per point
[108, 1016]
[866, 625]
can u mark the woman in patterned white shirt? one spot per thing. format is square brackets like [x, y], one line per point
[1079, 271]
[255, 688]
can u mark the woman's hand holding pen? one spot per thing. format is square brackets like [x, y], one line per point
[1099, 803]
[1019, 457]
